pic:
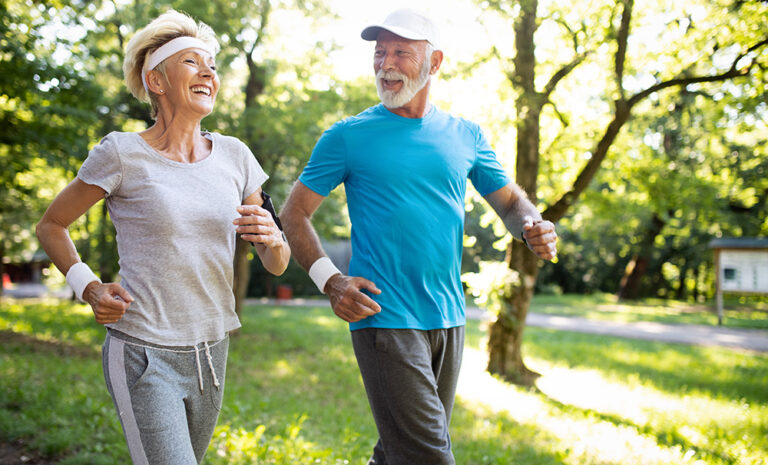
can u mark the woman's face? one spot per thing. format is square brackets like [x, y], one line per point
[193, 81]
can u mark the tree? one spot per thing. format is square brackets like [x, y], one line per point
[47, 115]
[739, 40]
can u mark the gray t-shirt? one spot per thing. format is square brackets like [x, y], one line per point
[175, 236]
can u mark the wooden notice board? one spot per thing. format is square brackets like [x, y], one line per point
[741, 265]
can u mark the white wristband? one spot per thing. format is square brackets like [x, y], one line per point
[321, 271]
[78, 277]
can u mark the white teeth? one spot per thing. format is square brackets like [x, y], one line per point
[201, 90]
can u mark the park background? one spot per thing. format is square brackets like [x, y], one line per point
[638, 127]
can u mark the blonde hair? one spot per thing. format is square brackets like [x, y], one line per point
[164, 28]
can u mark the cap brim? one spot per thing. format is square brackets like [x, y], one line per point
[372, 32]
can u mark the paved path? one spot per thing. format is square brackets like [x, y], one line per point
[736, 338]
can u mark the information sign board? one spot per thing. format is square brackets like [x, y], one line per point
[744, 270]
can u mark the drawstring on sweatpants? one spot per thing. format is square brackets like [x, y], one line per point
[210, 365]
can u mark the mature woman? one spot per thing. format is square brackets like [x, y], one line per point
[174, 193]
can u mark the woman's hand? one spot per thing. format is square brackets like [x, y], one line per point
[109, 301]
[256, 225]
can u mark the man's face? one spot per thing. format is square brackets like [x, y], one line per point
[402, 68]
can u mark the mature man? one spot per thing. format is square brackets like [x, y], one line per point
[404, 165]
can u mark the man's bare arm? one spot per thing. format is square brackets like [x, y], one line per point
[344, 292]
[523, 220]
[297, 225]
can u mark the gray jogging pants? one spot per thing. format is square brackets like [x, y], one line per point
[168, 398]
[410, 377]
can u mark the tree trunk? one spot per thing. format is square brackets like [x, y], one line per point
[505, 356]
[696, 275]
[630, 282]
[682, 289]
[105, 271]
[255, 85]
[242, 273]
[2, 264]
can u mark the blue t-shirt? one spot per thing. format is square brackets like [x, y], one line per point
[405, 180]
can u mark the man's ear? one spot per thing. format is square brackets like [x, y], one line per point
[435, 61]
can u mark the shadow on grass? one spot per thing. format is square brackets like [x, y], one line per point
[52, 320]
[674, 368]
[15, 343]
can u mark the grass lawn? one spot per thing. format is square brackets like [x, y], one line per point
[294, 396]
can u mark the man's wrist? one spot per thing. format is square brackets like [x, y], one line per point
[321, 271]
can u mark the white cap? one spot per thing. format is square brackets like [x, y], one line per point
[408, 24]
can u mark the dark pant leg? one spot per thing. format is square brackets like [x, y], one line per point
[448, 350]
[410, 379]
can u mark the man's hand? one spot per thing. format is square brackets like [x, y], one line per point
[541, 237]
[347, 301]
[109, 301]
[257, 226]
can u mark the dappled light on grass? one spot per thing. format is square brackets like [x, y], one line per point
[236, 446]
[282, 369]
[598, 420]
[326, 321]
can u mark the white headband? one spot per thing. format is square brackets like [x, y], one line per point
[170, 48]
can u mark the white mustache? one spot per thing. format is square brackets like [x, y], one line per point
[391, 76]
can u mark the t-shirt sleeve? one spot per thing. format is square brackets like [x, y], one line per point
[487, 174]
[103, 167]
[254, 173]
[327, 167]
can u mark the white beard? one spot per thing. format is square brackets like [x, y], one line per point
[411, 87]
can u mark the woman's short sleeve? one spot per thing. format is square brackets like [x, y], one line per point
[103, 167]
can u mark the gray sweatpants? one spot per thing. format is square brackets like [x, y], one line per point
[168, 398]
[410, 377]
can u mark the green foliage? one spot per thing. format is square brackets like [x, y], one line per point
[698, 186]
[492, 286]
[47, 114]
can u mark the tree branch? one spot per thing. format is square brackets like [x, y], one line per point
[621, 41]
[733, 72]
[622, 114]
[562, 73]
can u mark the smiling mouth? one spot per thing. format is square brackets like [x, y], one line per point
[390, 83]
[201, 90]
